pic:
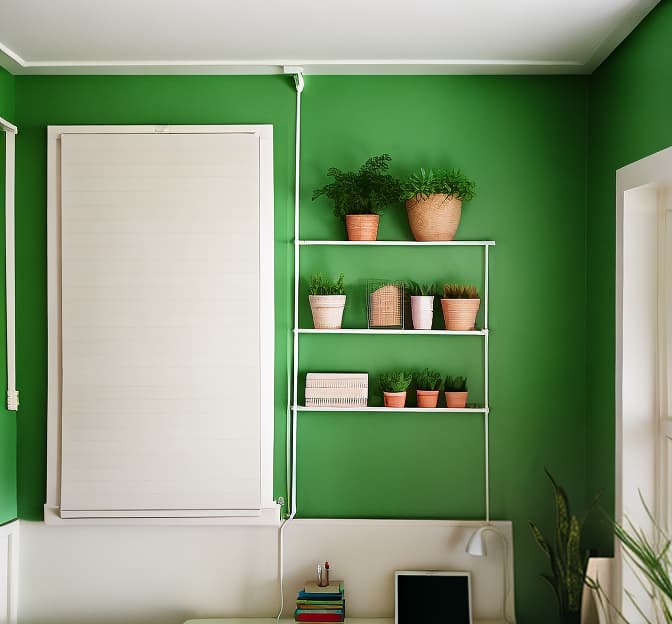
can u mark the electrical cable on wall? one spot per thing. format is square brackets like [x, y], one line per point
[292, 392]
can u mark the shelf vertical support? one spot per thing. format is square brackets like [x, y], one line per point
[486, 364]
[299, 84]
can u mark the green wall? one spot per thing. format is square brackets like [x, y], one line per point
[523, 140]
[629, 118]
[7, 418]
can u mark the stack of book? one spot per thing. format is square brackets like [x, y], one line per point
[320, 604]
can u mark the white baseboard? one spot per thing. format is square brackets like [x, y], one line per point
[9, 572]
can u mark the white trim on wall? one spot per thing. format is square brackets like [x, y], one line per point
[10, 131]
[269, 512]
[9, 572]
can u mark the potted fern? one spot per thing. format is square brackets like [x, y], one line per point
[361, 196]
[327, 301]
[460, 305]
[394, 385]
[455, 389]
[428, 384]
[422, 304]
[434, 202]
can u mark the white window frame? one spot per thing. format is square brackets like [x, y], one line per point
[652, 172]
[664, 458]
[270, 510]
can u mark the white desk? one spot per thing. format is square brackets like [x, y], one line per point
[291, 621]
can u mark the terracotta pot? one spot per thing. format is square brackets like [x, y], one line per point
[427, 398]
[327, 310]
[456, 399]
[434, 217]
[394, 399]
[460, 314]
[362, 227]
[422, 311]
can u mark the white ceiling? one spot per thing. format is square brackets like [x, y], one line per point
[323, 36]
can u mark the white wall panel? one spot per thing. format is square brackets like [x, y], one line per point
[168, 574]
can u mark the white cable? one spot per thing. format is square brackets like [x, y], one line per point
[292, 392]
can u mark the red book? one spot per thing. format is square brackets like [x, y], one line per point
[319, 617]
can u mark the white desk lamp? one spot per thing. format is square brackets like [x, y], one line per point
[476, 548]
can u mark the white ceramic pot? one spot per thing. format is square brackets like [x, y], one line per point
[327, 310]
[422, 311]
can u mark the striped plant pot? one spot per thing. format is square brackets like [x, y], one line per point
[456, 399]
[327, 310]
[460, 314]
[394, 399]
[427, 398]
[362, 227]
[434, 217]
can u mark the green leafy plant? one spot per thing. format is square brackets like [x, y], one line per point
[567, 558]
[366, 191]
[649, 556]
[320, 285]
[442, 181]
[455, 384]
[421, 290]
[395, 381]
[428, 380]
[460, 291]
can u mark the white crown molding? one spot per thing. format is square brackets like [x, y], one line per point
[15, 64]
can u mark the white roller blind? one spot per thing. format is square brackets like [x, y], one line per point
[160, 324]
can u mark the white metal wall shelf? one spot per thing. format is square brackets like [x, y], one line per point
[484, 332]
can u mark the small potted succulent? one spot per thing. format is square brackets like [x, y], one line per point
[422, 304]
[327, 301]
[428, 384]
[361, 196]
[434, 202]
[460, 305]
[394, 386]
[456, 391]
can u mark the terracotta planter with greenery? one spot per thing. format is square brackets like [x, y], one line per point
[363, 194]
[428, 398]
[393, 386]
[394, 399]
[460, 306]
[362, 227]
[456, 392]
[456, 399]
[428, 384]
[434, 203]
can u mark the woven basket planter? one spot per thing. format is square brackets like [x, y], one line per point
[460, 314]
[327, 310]
[434, 217]
[362, 227]
[394, 399]
[456, 399]
[385, 305]
[427, 398]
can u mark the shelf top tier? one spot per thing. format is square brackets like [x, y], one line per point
[397, 243]
[398, 332]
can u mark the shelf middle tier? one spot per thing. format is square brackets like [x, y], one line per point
[402, 332]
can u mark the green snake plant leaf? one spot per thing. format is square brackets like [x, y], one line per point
[540, 539]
